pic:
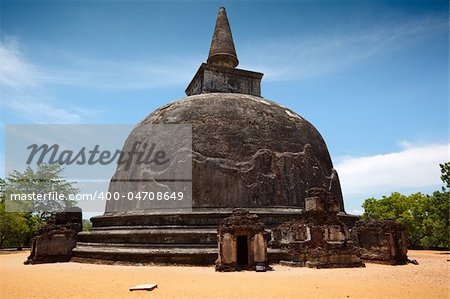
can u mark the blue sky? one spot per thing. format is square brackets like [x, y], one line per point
[372, 76]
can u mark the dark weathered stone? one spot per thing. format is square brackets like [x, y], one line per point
[316, 245]
[240, 220]
[53, 246]
[72, 216]
[219, 73]
[212, 78]
[381, 241]
[262, 154]
[179, 237]
[317, 238]
[246, 227]
[55, 241]
[222, 51]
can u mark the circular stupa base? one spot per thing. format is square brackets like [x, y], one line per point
[179, 237]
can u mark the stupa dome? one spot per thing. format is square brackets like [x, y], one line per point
[247, 151]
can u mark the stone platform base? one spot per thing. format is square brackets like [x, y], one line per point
[129, 255]
[169, 238]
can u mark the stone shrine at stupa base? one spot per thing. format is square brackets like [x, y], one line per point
[248, 153]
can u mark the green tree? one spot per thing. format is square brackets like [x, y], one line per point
[13, 228]
[18, 227]
[426, 217]
[46, 179]
[87, 224]
[445, 173]
[436, 224]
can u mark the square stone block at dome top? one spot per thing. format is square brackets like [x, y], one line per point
[213, 78]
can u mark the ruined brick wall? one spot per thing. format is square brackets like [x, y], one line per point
[317, 238]
[55, 241]
[381, 241]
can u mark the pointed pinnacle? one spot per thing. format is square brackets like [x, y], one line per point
[222, 51]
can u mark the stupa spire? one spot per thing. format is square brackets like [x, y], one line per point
[220, 74]
[222, 51]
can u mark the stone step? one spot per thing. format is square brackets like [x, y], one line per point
[192, 256]
[177, 255]
[155, 245]
[198, 217]
[127, 227]
[150, 236]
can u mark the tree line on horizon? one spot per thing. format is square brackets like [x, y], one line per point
[425, 216]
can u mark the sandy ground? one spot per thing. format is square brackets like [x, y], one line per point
[430, 279]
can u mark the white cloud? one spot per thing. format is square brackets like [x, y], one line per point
[405, 144]
[412, 168]
[42, 112]
[14, 69]
[121, 75]
[307, 57]
[22, 92]
[25, 86]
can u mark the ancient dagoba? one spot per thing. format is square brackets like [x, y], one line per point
[247, 152]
